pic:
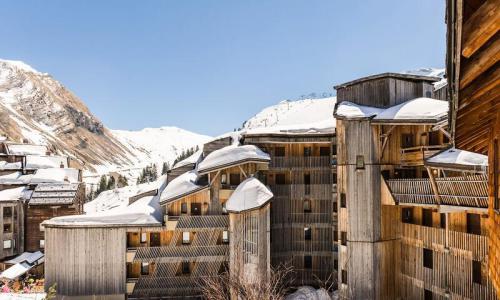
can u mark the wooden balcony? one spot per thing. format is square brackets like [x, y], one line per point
[466, 191]
[316, 191]
[182, 253]
[187, 223]
[301, 162]
[414, 156]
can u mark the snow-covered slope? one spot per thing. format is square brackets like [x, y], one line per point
[37, 108]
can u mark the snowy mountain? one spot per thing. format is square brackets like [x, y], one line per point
[36, 108]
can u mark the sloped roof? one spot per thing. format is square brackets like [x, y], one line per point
[231, 156]
[250, 194]
[25, 149]
[54, 194]
[18, 193]
[56, 175]
[45, 161]
[181, 186]
[458, 159]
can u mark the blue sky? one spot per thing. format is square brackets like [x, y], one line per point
[207, 66]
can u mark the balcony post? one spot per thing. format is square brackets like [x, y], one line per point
[434, 185]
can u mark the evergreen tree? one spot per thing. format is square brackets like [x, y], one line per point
[122, 181]
[165, 168]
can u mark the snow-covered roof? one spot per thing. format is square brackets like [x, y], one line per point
[45, 161]
[146, 211]
[458, 159]
[422, 74]
[15, 178]
[420, 110]
[10, 166]
[181, 186]
[25, 149]
[29, 261]
[230, 156]
[349, 110]
[55, 175]
[250, 194]
[193, 159]
[18, 193]
[29, 257]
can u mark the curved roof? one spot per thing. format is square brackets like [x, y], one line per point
[250, 194]
[181, 186]
[349, 110]
[419, 110]
[231, 156]
[458, 159]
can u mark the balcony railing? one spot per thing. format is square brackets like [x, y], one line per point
[468, 191]
[318, 191]
[203, 222]
[414, 156]
[300, 162]
[181, 253]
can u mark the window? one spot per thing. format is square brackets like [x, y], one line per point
[186, 237]
[474, 224]
[442, 220]
[225, 236]
[307, 205]
[7, 212]
[307, 151]
[344, 276]
[476, 272]
[42, 244]
[427, 258]
[279, 151]
[234, 178]
[427, 295]
[324, 151]
[343, 202]
[195, 209]
[307, 262]
[343, 238]
[434, 138]
[144, 268]
[224, 209]
[334, 178]
[335, 264]
[427, 217]
[335, 208]
[280, 179]
[186, 267]
[307, 184]
[335, 236]
[7, 244]
[184, 208]
[144, 237]
[223, 178]
[407, 140]
[334, 149]
[7, 227]
[428, 94]
[155, 239]
[360, 162]
[407, 215]
[307, 233]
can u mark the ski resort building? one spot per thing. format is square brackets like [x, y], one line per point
[412, 209]
[474, 75]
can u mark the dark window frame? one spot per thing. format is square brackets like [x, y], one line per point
[308, 262]
[477, 275]
[307, 233]
[279, 152]
[427, 258]
[343, 200]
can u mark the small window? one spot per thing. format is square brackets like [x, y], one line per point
[334, 149]
[335, 236]
[407, 215]
[279, 151]
[7, 228]
[7, 244]
[223, 178]
[344, 276]
[307, 233]
[234, 178]
[186, 268]
[343, 201]
[307, 178]
[343, 238]
[427, 295]
[196, 209]
[427, 217]
[155, 239]
[307, 205]
[186, 237]
[225, 236]
[442, 220]
[407, 140]
[335, 208]
[334, 179]
[307, 151]
[428, 94]
[476, 272]
[7, 212]
[324, 151]
[474, 224]
[224, 209]
[360, 162]
[184, 208]
[427, 258]
[144, 237]
[42, 244]
[335, 264]
[144, 268]
[307, 262]
[280, 179]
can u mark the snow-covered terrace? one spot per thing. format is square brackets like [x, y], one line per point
[232, 155]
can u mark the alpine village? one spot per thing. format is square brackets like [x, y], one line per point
[393, 194]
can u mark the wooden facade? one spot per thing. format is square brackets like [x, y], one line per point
[473, 52]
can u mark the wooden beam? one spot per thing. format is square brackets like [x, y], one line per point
[434, 185]
[487, 82]
[480, 27]
[480, 62]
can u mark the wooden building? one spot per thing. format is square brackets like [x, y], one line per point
[473, 51]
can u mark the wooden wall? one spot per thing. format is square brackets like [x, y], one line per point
[16, 233]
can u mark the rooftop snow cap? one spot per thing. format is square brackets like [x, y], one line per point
[250, 194]
[458, 159]
[193, 159]
[181, 186]
[349, 110]
[231, 156]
